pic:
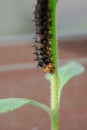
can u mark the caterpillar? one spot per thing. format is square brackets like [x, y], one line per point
[42, 37]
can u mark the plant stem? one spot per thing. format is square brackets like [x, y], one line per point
[54, 84]
[54, 102]
[54, 77]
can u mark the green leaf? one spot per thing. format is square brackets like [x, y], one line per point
[10, 104]
[67, 71]
[48, 76]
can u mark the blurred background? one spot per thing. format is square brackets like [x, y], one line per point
[18, 71]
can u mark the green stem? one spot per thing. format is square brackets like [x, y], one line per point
[54, 102]
[54, 77]
[40, 105]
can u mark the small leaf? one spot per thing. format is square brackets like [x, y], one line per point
[48, 76]
[69, 71]
[10, 104]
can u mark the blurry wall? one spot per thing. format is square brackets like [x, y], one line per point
[16, 17]
[71, 17]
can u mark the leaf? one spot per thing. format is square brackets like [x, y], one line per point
[67, 71]
[48, 76]
[10, 104]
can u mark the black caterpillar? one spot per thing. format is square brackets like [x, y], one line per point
[42, 36]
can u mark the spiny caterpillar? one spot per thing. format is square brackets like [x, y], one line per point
[42, 36]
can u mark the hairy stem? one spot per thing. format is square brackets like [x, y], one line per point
[54, 77]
